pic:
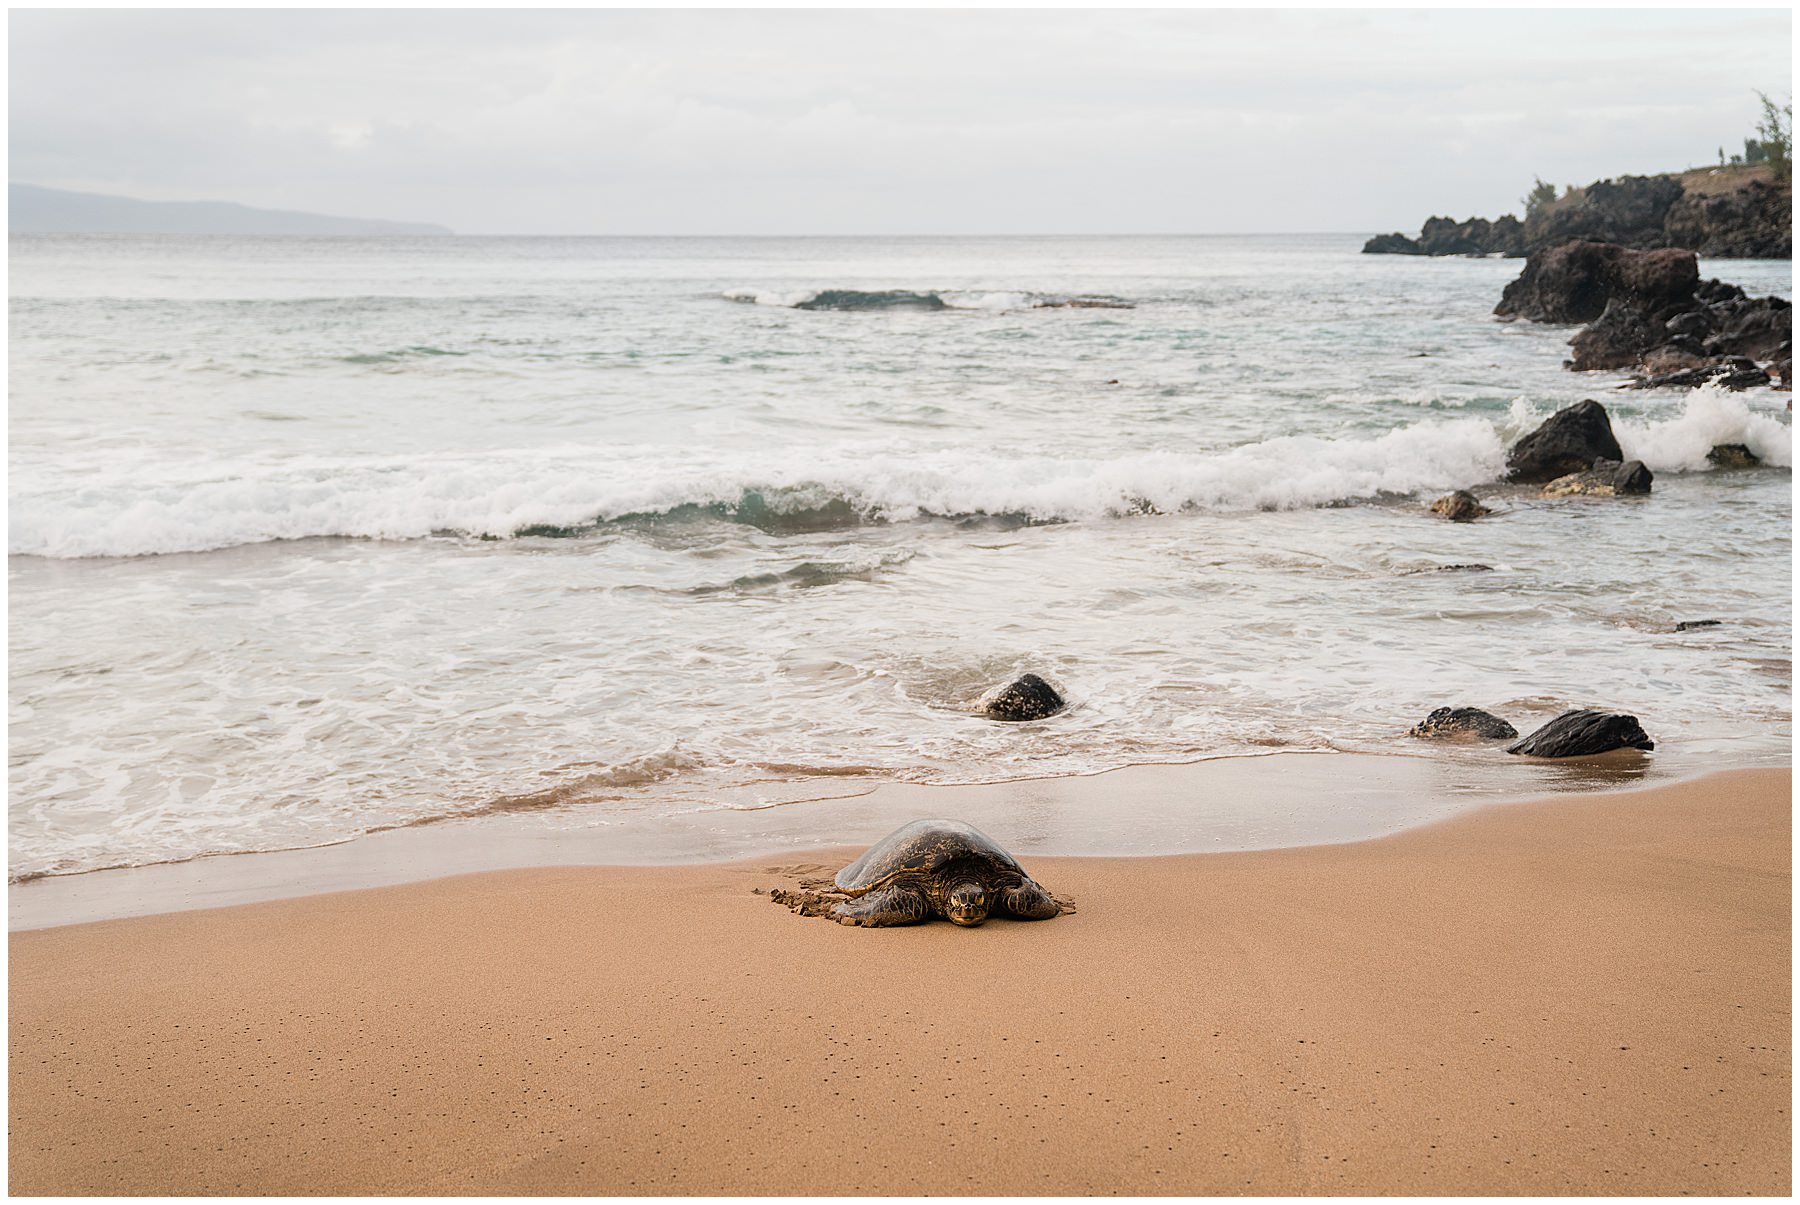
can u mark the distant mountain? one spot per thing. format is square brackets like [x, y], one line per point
[38, 210]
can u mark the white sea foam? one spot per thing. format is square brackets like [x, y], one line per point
[1523, 417]
[284, 695]
[1710, 415]
[996, 301]
[775, 297]
[127, 510]
[499, 494]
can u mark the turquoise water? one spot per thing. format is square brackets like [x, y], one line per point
[314, 537]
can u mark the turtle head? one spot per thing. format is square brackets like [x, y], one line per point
[967, 903]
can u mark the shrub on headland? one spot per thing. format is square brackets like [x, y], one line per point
[1776, 136]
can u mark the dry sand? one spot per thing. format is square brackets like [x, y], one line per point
[1576, 996]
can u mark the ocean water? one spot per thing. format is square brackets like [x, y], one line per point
[316, 537]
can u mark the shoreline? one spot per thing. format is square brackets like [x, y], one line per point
[1577, 995]
[1217, 805]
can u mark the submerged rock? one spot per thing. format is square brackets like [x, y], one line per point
[1027, 697]
[1470, 567]
[1460, 507]
[1733, 456]
[1463, 723]
[856, 299]
[1607, 479]
[1569, 441]
[1084, 303]
[1583, 734]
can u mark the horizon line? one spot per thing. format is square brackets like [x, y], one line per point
[448, 234]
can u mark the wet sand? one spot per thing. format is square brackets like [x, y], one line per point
[1273, 801]
[1582, 995]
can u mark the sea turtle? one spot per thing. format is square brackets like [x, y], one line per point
[938, 868]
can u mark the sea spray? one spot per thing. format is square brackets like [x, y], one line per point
[1709, 416]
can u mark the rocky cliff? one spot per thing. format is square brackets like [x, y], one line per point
[1650, 313]
[1741, 213]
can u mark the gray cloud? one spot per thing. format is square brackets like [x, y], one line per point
[867, 122]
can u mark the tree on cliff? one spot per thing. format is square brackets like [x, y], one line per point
[1541, 194]
[1776, 133]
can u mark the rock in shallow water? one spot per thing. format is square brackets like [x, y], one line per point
[1461, 567]
[1606, 479]
[1392, 244]
[1633, 477]
[1464, 723]
[1583, 734]
[1733, 456]
[1027, 697]
[1724, 372]
[1460, 507]
[1569, 441]
[1573, 282]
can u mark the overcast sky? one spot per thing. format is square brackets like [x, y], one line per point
[817, 122]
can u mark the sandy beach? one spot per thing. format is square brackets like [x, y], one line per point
[1582, 995]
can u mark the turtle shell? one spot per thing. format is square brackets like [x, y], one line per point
[923, 847]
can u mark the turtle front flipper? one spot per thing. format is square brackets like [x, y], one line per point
[1028, 901]
[884, 906]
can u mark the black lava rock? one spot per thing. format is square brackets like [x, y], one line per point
[1727, 372]
[1633, 477]
[1028, 697]
[1583, 734]
[1466, 723]
[1574, 281]
[1392, 244]
[1618, 338]
[1694, 322]
[1569, 441]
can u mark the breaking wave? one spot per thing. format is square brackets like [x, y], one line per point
[577, 491]
[1711, 415]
